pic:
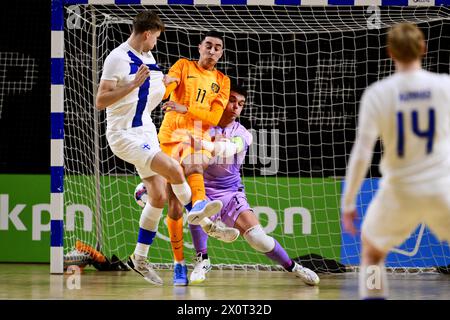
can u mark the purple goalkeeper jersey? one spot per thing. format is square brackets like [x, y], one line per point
[223, 174]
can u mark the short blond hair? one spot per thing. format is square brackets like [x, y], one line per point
[406, 42]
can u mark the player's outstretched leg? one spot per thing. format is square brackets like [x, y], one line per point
[260, 241]
[219, 232]
[194, 165]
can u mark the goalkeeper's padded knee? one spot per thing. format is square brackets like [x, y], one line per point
[259, 240]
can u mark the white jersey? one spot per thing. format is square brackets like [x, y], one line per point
[410, 111]
[121, 65]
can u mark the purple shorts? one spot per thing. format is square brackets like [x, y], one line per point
[233, 205]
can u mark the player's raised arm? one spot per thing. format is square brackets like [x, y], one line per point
[168, 80]
[173, 77]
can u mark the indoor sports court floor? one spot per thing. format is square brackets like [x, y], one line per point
[33, 281]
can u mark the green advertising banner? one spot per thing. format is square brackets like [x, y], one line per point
[302, 214]
[24, 205]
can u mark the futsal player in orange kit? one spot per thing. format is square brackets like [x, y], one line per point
[197, 102]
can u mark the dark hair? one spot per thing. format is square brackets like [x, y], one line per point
[239, 88]
[213, 34]
[146, 21]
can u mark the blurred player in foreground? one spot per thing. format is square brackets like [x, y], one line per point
[410, 112]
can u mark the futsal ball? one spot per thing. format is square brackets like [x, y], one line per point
[140, 195]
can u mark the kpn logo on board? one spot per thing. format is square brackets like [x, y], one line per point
[12, 218]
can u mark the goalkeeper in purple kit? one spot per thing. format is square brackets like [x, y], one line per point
[223, 182]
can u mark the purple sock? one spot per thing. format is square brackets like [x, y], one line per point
[279, 255]
[199, 238]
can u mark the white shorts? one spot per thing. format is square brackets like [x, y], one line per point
[393, 215]
[137, 146]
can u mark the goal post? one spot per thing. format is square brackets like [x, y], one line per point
[57, 138]
[305, 64]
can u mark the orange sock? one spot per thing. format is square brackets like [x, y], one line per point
[197, 185]
[176, 237]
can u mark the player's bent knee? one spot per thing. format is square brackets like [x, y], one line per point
[158, 200]
[176, 172]
[259, 240]
[156, 191]
[192, 169]
[175, 210]
[175, 215]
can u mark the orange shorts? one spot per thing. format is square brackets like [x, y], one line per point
[174, 136]
[181, 150]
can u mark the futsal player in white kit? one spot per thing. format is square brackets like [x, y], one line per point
[131, 86]
[410, 112]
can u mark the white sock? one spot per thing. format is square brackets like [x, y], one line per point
[149, 220]
[182, 262]
[141, 250]
[150, 217]
[183, 192]
[373, 282]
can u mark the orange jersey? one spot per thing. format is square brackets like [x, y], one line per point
[205, 94]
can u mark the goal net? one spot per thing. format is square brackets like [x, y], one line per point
[305, 69]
